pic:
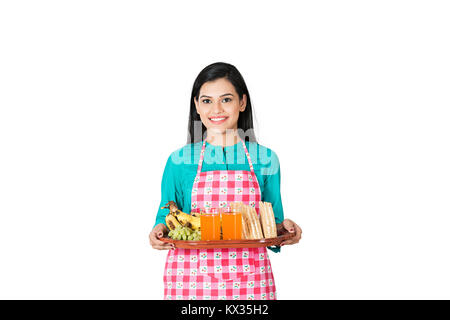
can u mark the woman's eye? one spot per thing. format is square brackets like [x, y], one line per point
[207, 100]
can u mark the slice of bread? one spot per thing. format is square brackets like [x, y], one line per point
[267, 218]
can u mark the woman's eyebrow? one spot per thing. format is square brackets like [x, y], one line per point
[226, 94]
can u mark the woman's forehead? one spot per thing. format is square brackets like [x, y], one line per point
[217, 88]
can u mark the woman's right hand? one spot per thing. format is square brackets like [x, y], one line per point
[158, 232]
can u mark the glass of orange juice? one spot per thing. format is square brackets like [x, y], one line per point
[210, 224]
[231, 224]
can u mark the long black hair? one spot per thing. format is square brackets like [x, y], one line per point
[212, 72]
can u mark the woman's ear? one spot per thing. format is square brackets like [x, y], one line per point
[243, 103]
[196, 104]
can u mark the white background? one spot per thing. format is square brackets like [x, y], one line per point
[353, 96]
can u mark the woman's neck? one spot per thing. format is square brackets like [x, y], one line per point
[228, 138]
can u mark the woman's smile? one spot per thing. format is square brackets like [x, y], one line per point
[218, 119]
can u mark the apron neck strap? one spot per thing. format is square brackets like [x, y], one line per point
[202, 155]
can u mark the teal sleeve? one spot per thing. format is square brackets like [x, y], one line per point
[271, 193]
[170, 189]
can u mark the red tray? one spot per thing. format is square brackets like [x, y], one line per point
[210, 244]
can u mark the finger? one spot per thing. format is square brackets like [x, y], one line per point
[159, 230]
[293, 240]
[161, 245]
[290, 241]
[296, 237]
[289, 225]
[155, 241]
[164, 247]
[298, 231]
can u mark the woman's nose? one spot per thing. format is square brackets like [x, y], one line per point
[217, 107]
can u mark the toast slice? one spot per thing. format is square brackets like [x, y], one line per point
[267, 218]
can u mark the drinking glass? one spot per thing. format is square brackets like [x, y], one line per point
[231, 224]
[210, 224]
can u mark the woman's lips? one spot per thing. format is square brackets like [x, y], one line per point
[218, 120]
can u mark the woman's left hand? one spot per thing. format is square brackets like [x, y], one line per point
[291, 227]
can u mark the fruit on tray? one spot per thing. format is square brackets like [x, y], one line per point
[172, 222]
[177, 217]
[185, 233]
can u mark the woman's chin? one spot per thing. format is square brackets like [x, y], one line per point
[217, 130]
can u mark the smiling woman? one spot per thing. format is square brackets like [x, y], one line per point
[220, 101]
[220, 112]
[219, 168]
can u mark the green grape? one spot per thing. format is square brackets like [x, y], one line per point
[184, 237]
[190, 237]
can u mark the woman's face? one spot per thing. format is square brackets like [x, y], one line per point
[219, 105]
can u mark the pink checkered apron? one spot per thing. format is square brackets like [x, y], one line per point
[221, 274]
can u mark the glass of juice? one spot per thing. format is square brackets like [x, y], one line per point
[231, 224]
[210, 224]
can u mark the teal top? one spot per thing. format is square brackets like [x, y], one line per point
[181, 169]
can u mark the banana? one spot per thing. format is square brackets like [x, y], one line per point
[187, 220]
[172, 222]
[183, 218]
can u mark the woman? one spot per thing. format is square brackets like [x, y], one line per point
[217, 166]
